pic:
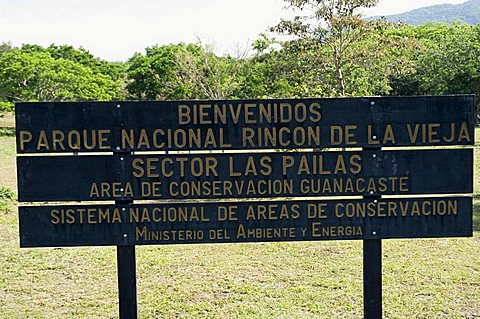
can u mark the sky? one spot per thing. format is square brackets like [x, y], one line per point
[115, 29]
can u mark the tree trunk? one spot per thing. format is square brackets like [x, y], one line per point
[338, 72]
[340, 80]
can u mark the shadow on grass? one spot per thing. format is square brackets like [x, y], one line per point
[476, 217]
[7, 131]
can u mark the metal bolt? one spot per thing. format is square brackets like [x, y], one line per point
[118, 148]
[125, 235]
[371, 192]
[118, 105]
[375, 201]
[374, 155]
[121, 158]
[121, 189]
[374, 232]
[123, 209]
[372, 103]
[374, 137]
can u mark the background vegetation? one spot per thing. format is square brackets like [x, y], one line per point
[328, 50]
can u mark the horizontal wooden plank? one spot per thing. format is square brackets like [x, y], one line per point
[244, 124]
[229, 222]
[255, 175]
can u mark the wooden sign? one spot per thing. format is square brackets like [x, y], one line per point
[243, 221]
[243, 175]
[244, 124]
[93, 130]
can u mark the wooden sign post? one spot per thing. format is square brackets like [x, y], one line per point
[291, 192]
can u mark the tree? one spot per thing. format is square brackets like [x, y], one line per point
[5, 106]
[382, 58]
[183, 71]
[450, 62]
[152, 75]
[331, 23]
[114, 70]
[5, 47]
[443, 59]
[207, 75]
[303, 67]
[262, 74]
[37, 76]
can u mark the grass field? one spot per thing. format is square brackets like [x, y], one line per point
[424, 278]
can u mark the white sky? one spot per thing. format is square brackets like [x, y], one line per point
[115, 29]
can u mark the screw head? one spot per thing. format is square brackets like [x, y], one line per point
[375, 201]
[121, 158]
[374, 232]
[125, 235]
[118, 148]
[371, 192]
[118, 105]
[372, 103]
[374, 155]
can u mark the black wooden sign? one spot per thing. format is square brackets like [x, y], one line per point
[228, 222]
[244, 124]
[281, 124]
[244, 175]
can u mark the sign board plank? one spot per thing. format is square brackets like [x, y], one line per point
[244, 124]
[229, 222]
[254, 175]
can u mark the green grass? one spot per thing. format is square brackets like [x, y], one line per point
[424, 278]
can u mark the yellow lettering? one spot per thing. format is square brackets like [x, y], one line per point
[25, 137]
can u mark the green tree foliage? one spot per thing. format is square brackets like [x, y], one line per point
[207, 75]
[331, 51]
[183, 71]
[379, 60]
[152, 75]
[27, 75]
[262, 75]
[6, 107]
[5, 47]
[115, 70]
[450, 60]
[443, 59]
[294, 70]
[330, 26]
[80, 56]
[304, 67]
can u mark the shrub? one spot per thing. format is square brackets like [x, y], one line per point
[6, 107]
[6, 197]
